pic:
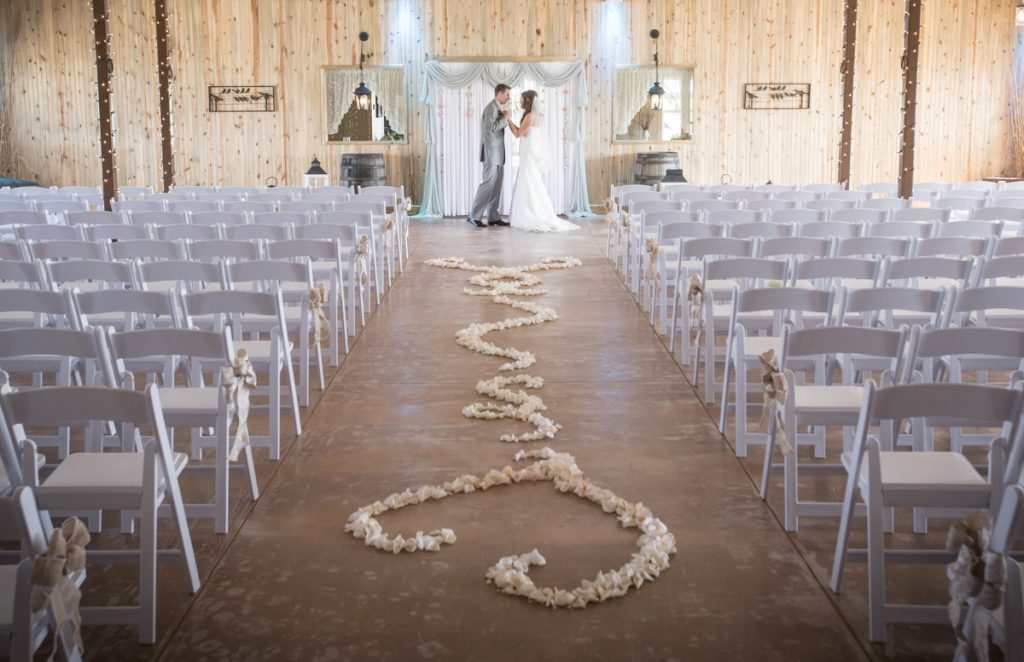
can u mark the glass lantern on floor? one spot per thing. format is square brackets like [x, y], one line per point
[316, 176]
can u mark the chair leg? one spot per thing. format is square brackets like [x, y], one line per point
[709, 368]
[723, 413]
[294, 401]
[275, 413]
[790, 479]
[876, 567]
[843, 539]
[769, 451]
[147, 551]
[303, 395]
[318, 351]
[222, 473]
[250, 469]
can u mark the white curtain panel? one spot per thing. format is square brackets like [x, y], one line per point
[457, 93]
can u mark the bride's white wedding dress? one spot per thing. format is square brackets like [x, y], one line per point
[531, 207]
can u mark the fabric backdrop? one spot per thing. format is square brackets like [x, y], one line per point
[456, 94]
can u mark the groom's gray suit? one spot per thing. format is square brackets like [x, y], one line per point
[492, 155]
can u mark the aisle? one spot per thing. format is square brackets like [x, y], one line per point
[294, 585]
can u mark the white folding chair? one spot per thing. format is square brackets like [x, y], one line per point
[882, 190]
[886, 204]
[901, 229]
[248, 207]
[921, 214]
[129, 206]
[352, 262]
[134, 192]
[157, 218]
[34, 308]
[1009, 246]
[953, 246]
[187, 233]
[123, 310]
[762, 229]
[874, 247]
[795, 247]
[258, 232]
[829, 205]
[1012, 217]
[67, 249]
[858, 214]
[219, 218]
[887, 479]
[51, 232]
[295, 280]
[999, 306]
[892, 307]
[711, 205]
[927, 272]
[822, 403]
[270, 357]
[829, 229]
[797, 216]
[191, 206]
[799, 197]
[195, 405]
[113, 233]
[147, 250]
[133, 481]
[1005, 270]
[224, 249]
[89, 274]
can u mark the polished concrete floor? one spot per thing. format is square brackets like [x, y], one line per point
[287, 583]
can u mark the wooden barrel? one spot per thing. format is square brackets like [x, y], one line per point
[651, 166]
[363, 170]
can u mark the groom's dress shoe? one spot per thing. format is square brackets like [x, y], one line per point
[475, 223]
[500, 222]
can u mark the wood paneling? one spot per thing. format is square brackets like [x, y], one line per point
[51, 101]
[961, 119]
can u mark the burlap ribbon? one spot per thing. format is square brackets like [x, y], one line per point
[775, 386]
[363, 259]
[317, 299]
[51, 584]
[407, 203]
[978, 574]
[695, 295]
[239, 379]
[653, 272]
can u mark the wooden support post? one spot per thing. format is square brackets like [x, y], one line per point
[164, 80]
[849, 59]
[911, 49]
[104, 76]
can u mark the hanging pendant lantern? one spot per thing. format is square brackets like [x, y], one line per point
[363, 95]
[657, 93]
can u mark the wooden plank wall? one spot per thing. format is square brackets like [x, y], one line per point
[962, 115]
[51, 102]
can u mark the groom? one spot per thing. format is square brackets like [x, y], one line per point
[492, 155]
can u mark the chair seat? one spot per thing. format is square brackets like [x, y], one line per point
[102, 473]
[926, 471]
[758, 345]
[813, 396]
[724, 311]
[8, 583]
[182, 401]
[258, 350]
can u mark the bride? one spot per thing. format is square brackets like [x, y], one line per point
[531, 207]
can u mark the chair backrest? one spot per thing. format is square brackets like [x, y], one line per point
[1007, 266]
[970, 341]
[845, 340]
[31, 274]
[60, 206]
[912, 229]
[306, 206]
[858, 214]
[147, 249]
[14, 205]
[829, 229]
[239, 190]
[798, 196]
[700, 248]
[920, 214]
[732, 216]
[1009, 246]
[823, 187]
[139, 305]
[958, 269]
[1014, 214]
[774, 188]
[874, 246]
[313, 249]
[1009, 199]
[966, 193]
[253, 206]
[627, 199]
[827, 269]
[282, 218]
[232, 249]
[647, 206]
[712, 205]
[187, 232]
[37, 302]
[796, 246]
[219, 218]
[669, 187]
[51, 232]
[745, 268]
[22, 218]
[974, 228]
[348, 235]
[191, 275]
[887, 204]
[855, 196]
[958, 202]
[255, 231]
[653, 218]
[220, 302]
[270, 272]
[343, 190]
[886, 189]
[13, 250]
[830, 205]
[20, 521]
[133, 192]
[878, 303]
[797, 216]
[951, 246]
[670, 232]
[67, 249]
[145, 343]
[977, 300]
[689, 195]
[374, 207]
[137, 205]
[95, 218]
[746, 195]
[115, 233]
[51, 342]
[357, 218]
[157, 217]
[192, 205]
[619, 191]
[762, 229]
[116, 274]
[722, 189]
[784, 299]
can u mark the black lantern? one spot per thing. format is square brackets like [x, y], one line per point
[364, 96]
[657, 92]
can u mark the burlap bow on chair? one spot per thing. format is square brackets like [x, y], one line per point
[978, 574]
[695, 295]
[363, 259]
[775, 386]
[317, 299]
[653, 272]
[239, 379]
[51, 584]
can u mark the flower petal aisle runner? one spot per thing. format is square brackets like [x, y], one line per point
[511, 573]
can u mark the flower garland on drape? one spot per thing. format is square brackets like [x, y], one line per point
[511, 573]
